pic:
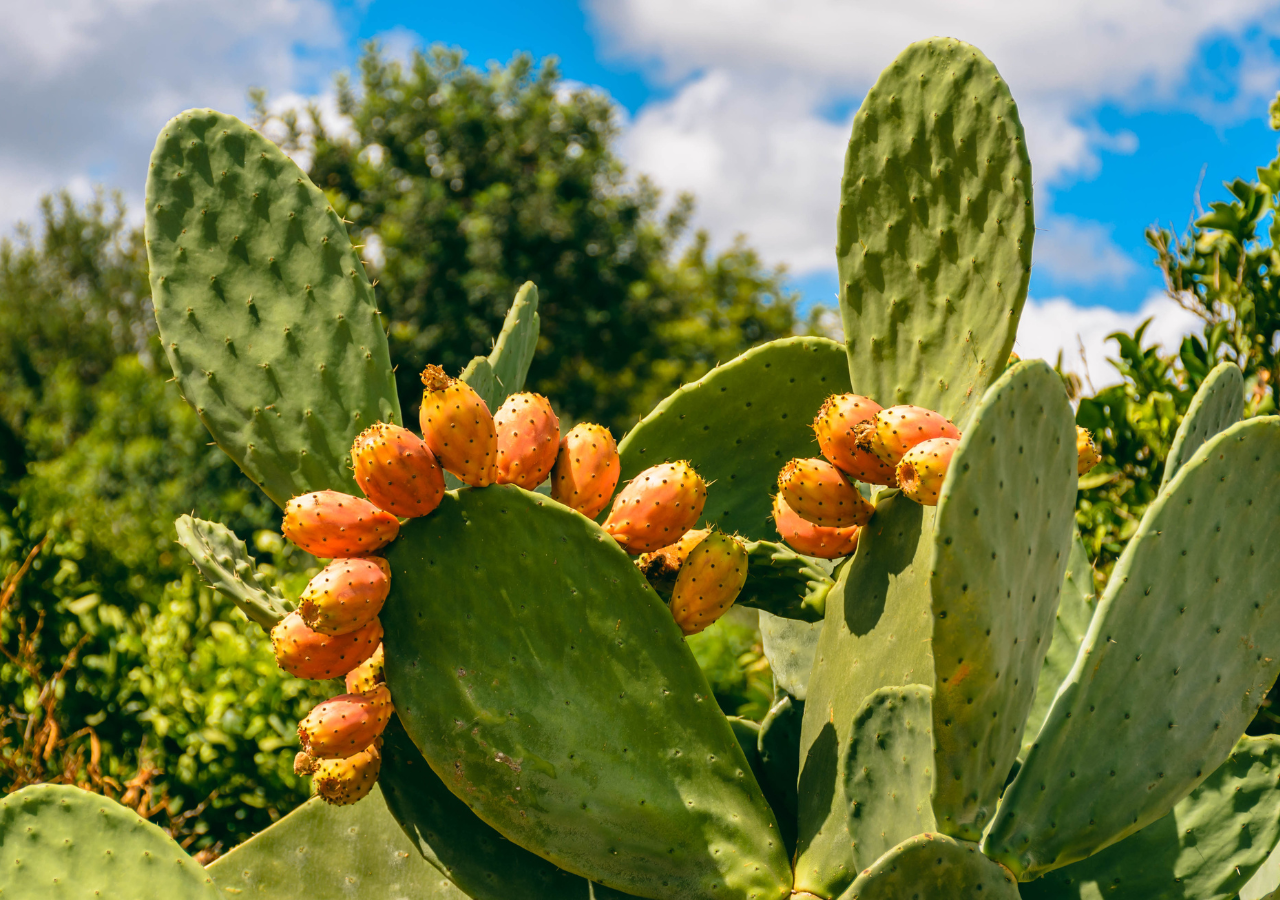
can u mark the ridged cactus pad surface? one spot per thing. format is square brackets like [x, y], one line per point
[1181, 651]
[934, 234]
[933, 866]
[550, 689]
[739, 424]
[59, 841]
[265, 312]
[1217, 405]
[226, 565]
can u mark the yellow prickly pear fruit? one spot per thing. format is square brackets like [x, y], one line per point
[528, 440]
[345, 595]
[346, 724]
[1087, 453]
[661, 566]
[820, 493]
[397, 470]
[708, 582]
[923, 468]
[458, 428]
[371, 672]
[344, 781]
[897, 429]
[306, 653]
[330, 524]
[586, 470]
[657, 507]
[835, 427]
[812, 540]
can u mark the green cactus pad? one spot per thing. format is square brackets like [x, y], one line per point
[889, 772]
[1217, 405]
[789, 645]
[1206, 848]
[779, 749]
[227, 566]
[1001, 542]
[876, 634]
[785, 583]
[932, 867]
[59, 841]
[1076, 604]
[547, 685]
[500, 374]
[739, 424]
[264, 309]
[935, 227]
[325, 852]
[1181, 651]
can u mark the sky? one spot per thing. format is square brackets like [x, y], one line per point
[1135, 110]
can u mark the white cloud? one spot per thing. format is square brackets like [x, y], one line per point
[89, 83]
[1080, 252]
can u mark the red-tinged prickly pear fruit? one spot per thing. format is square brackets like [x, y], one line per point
[812, 540]
[458, 427]
[397, 470]
[657, 507]
[344, 725]
[329, 524]
[344, 781]
[586, 470]
[835, 427]
[1087, 453]
[371, 672]
[820, 493]
[528, 440]
[346, 595]
[897, 429]
[923, 468]
[709, 581]
[662, 566]
[305, 653]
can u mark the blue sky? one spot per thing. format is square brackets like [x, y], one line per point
[1128, 104]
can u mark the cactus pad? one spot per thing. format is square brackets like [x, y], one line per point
[933, 866]
[789, 645]
[501, 374]
[226, 565]
[779, 755]
[264, 309]
[1217, 405]
[1181, 651]
[59, 841]
[546, 683]
[739, 424]
[934, 234]
[785, 583]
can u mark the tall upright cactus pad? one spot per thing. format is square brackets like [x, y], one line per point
[326, 852]
[1217, 405]
[934, 234]
[500, 374]
[1206, 848]
[1181, 651]
[226, 565]
[265, 312]
[549, 688]
[1001, 541]
[739, 424]
[59, 841]
[933, 865]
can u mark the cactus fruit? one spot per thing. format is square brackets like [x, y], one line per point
[458, 427]
[346, 595]
[346, 724]
[897, 429]
[819, 493]
[812, 540]
[528, 440]
[657, 507]
[371, 672]
[586, 470]
[923, 468]
[1087, 453]
[661, 566]
[397, 470]
[342, 782]
[310, 654]
[834, 426]
[329, 525]
[709, 581]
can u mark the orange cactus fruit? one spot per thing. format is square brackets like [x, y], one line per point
[812, 540]
[397, 470]
[344, 725]
[342, 782]
[923, 468]
[586, 470]
[835, 427]
[371, 672]
[330, 524]
[305, 653]
[346, 595]
[709, 581]
[897, 429]
[1087, 453]
[820, 493]
[657, 507]
[528, 440]
[458, 427]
